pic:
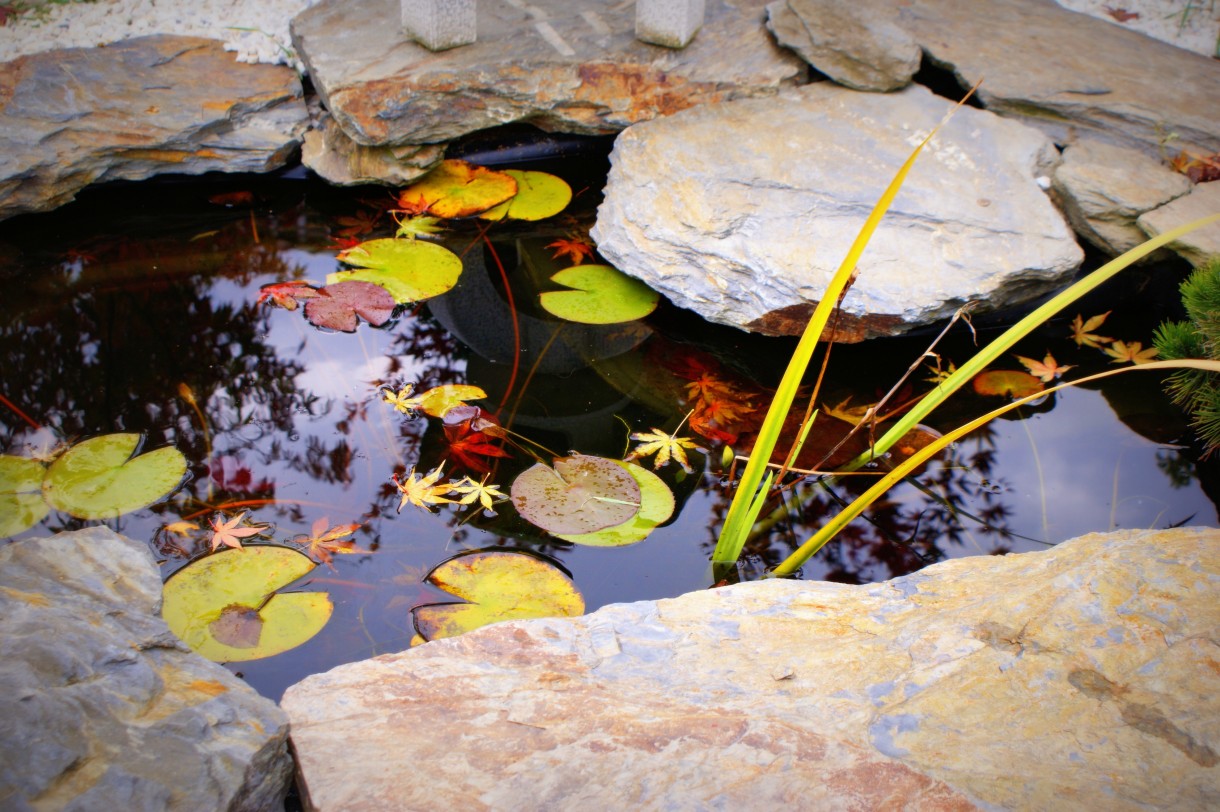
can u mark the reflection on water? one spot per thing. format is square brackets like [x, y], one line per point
[114, 304]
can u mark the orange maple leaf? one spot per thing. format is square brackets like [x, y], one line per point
[1123, 351]
[229, 534]
[324, 540]
[1082, 331]
[1046, 370]
[578, 249]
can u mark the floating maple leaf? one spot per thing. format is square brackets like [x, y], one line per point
[324, 540]
[664, 446]
[286, 294]
[487, 495]
[418, 226]
[180, 528]
[578, 250]
[1046, 370]
[230, 533]
[421, 490]
[1082, 331]
[1133, 351]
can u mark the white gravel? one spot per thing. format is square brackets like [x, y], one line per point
[257, 30]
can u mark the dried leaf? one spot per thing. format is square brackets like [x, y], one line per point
[339, 305]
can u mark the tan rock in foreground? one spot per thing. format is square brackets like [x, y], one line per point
[1083, 677]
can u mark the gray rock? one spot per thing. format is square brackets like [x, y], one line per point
[135, 109]
[567, 65]
[1019, 682]
[745, 224]
[101, 707]
[856, 44]
[335, 157]
[1200, 244]
[1103, 189]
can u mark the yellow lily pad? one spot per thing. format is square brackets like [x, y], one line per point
[496, 585]
[411, 270]
[458, 189]
[656, 506]
[539, 195]
[21, 502]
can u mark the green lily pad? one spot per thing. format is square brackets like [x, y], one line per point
[21, 502]
[496, 585]
[601, 295]
[225, 605]
[539, 195]
[581, 494]
[656, 506]
[458, 189]
[411, 270]
[101, 478]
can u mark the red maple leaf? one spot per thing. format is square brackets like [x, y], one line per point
[286, 294]
[470, 448]
[412, 207]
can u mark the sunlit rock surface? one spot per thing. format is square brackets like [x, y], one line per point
[1104, 188]
[1083, 677]
[338, 159]
[567, 65]
[1066, 73]
[102, 708]
[743, 211]
[1198, 245]
[135, 109]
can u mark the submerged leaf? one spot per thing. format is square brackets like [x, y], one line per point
[225, 606]
[497, 585]
[21, 502]
[338, 305]
[539, 195]
[1006, 383]
[601, 295]
[411, 270]
[458, 189]
[656, 506]
[581, 494]
[101, 479]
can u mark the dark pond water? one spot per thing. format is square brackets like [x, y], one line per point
[112, 303]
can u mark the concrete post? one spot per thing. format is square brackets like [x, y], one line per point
[440, 24]
[671, 23]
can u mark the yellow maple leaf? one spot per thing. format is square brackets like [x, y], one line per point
[1133, 351]
[487, 495]
[421, 490]
[665, 446]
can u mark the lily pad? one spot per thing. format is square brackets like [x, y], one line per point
[101, 478]
[21, 502]
[601, 295]
[338, 306]
[496, 585]
[1006, 383]
[458, 189]
[411, 270]
[225, 606]
[539, 195]
[438, 400]
[656, 506]
[581, 494]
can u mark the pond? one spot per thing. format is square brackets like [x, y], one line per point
[136, 309]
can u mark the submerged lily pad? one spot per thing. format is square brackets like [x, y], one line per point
[337, 306]
[21, 502]
[581, 494]
[601, 295]
[458, 189]
[496, 585]
[225, 606]
[656, 506]
[1006, 383]
[101, 478]
[411, 270]
[539, 195]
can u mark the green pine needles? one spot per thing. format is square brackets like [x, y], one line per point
[1195, 390]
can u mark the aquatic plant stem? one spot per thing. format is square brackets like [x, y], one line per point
[13, 407]
[512, 308]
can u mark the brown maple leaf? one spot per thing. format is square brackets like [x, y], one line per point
[1121, 14]
[230, 534]
[286, 294]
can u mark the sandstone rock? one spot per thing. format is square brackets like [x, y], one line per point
[568, 65]
[135, 109]
[1104, 188]
[103, 708]
[745, 224]
[858, 44]
[1082, 677]
[1198, 245]
[335, 157]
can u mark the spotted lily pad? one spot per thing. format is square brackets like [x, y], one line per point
[601, 295]
[225, 606]
[656, 506]
[102, 477]
[581, 494]
[539, 195]
[411, 270]
[458, 189]
[21, 502]
[496, 585]
[337, 306]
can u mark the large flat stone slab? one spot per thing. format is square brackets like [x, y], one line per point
[103, 708]
[138, 108]
[743, 211]
[1080, 678]
[566, 65]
